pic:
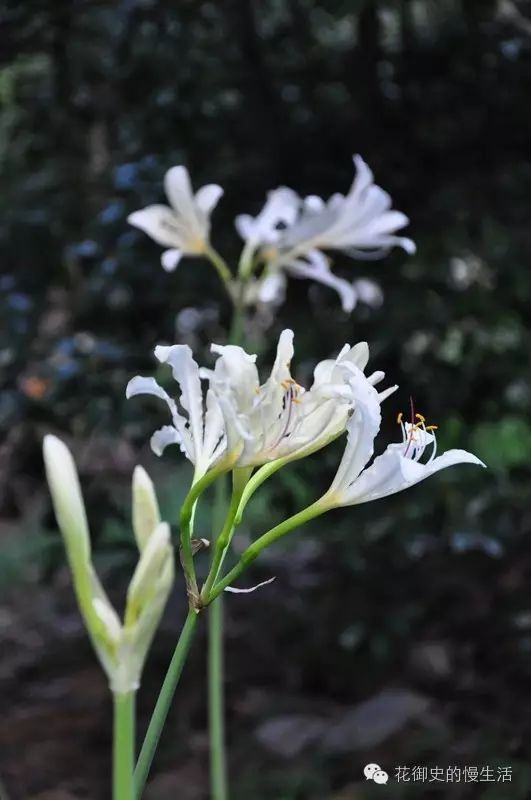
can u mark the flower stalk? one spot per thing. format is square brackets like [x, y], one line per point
[163, 703]
[123, 746]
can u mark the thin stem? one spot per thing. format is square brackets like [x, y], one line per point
[220, 264]
[216, 705]
[239, 478]
[254, 550]
[123, 746]
[186, 524]
[163, 703]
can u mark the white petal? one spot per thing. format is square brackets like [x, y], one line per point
[186, 372]
[159, 222]
[281, 206]
[362, 429]
[285, 351]
[369, 292]
[272, 289]
[207, 198]
[214, 443]
[163, 437]
[317, 269]
[252, 589]
[244, 224]
[140, 385]
[314, 202]
[179, 191]
[392, 472]
[170, 259]
[236, 370]
[357, 355]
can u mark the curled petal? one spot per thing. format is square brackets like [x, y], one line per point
[186, 372]
[163, 437]
[316, 268]
[392, 472]
[140, 385]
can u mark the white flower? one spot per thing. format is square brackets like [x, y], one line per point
[361, 223]
[290, 235]
[398, 468]
[185, 227]
[201, 434]
[280, 419]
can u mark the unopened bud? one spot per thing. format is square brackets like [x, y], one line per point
[146, 515]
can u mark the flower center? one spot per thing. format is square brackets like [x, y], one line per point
[417, 436]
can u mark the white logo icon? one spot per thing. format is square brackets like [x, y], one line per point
[373, 772]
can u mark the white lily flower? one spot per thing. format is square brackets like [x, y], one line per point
[361, 223]
[184, 227]
[398, 468]
[280, 419]
[291, 234]
[201, 434]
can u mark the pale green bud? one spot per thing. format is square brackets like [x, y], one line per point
[121, 648]
[67, 500]
[146, 578]
[146, 515]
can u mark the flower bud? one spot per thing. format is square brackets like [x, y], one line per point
[121, 648]
[146, 515]
[150, 567]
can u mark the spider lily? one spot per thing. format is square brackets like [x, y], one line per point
[292, 233]
[402, 465]
[121, 646]
[203, 435]
[280, 419]
[184, 226]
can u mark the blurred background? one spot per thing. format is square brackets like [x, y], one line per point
[398, 632]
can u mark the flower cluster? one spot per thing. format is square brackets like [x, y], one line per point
[289, 237]
[239, 422]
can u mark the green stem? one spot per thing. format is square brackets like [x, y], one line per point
[221, 266]
[186, 524]
[216, 705]
[123, 746]
[254, 550]
[163, 703]
[240, 477]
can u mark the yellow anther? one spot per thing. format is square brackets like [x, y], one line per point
[399, 418]
[296, 400]
[432, 427]
[420, 417]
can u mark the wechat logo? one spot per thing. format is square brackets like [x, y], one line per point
[373, 772]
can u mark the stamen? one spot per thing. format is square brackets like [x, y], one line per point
[432, 427]
[420, 417]
[400, 418]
